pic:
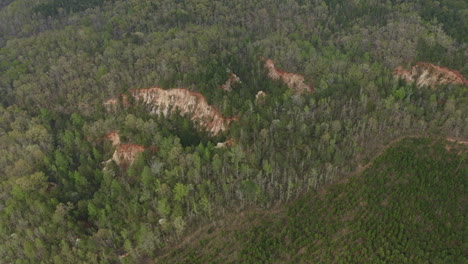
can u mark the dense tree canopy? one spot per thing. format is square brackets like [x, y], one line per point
[64, 200]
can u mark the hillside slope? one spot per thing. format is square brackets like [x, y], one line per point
[188, 103]
[408, 207]
[309, 99]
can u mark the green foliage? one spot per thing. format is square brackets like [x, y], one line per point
[450, 14]
[53, 7]
[180, 191]
[63, 199]
[407, 206]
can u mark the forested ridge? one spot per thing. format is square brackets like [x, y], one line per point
[393, 212]
[65, 199]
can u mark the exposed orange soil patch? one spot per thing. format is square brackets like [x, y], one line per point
[231, 81]
[124, 154]
[227, 144]
[426, 74]
[188, 103]
[292, 80]
[113, 137]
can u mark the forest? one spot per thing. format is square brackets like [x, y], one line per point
[97, 165]
[399, 196]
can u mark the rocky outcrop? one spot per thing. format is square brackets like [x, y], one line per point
[292, 80]
[426, 74]
[231, 81]
[183, 101]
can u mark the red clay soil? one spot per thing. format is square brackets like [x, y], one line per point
[292, 80]
[227, 144]
[188, 103]
[427, 74]
[113, 137]
[124, 154]
[231, 81]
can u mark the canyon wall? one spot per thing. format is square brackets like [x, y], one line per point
[190, 104]
[426, 74]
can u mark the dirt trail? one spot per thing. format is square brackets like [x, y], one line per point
[230, 221]
[456, 140]
[361, 168]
